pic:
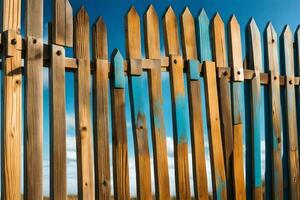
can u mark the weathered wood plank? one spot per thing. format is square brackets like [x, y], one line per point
[10, 15]
[236, 62]
[85, 172]
[220, 57]
[178, 105]
[119, 137]
[255, 63]
[272, 61]
[11, 102]
[62, 23]
[140, 132]
[288, 61]
[152, 43]
[203, 37]
[101, 111]
[58, 151]
[215, 140]
[33, 184]
[195, 101]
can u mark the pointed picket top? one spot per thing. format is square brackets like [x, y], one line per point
[271, 48]
[152, 42]
[255, 46]
[118, 73]
[202, 17]
[188, 35]
[203, 35]
[287, 39]
[100, 40]
[171, 32]
[133, 34]
[235, 44]
[82, 33]
[218, 41]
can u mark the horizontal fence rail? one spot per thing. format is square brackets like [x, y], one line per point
[234, 99]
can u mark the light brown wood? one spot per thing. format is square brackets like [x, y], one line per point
[195, 101]
[288, 55]
[215, 140]
[255, 63]
[11, 15]
[119, 131]
[101, 111]
[62, 23]
[140, 132]
[238, 158]
[33, 179]
[220, 57]
[85, 171]
[177, 95]
[58, 150]
[236, 64]
[275, 107]
[152, 43]
[11, 103]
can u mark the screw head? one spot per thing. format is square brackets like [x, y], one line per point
[58, 52]
[14, 41]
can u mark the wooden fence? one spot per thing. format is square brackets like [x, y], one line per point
[205, 56]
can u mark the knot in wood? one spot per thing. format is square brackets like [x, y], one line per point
[275, 77]
[34, 41]
[290, 82]
[175, 61]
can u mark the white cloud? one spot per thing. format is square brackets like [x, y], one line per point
[70, 121]
[45, 78]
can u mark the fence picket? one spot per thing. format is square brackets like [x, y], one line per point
[101, 112]
[178, 105]
[119, 137]
[288, 61]
[213, 118]
[34, 101]
[194, 91]
[58, 151]
[220, 57]
[236, 62]
[11, 102]
[140, 132]
[255, 63]
[152, 44]
[82, 107]
[275, 107]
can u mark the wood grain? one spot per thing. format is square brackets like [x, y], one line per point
[58, 149]
[271, 47]
[178, 105]
[101, 111]
[119, 137]
[62, 23]
[11, 104]
[215, 140]
[236, 63]
[220, 57]
[195, 101]
[138, 109]
[255, 63]
[288, 61]
[33, 184]
[86, 188]
[152, 44]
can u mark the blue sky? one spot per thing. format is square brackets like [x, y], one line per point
[278, 11]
